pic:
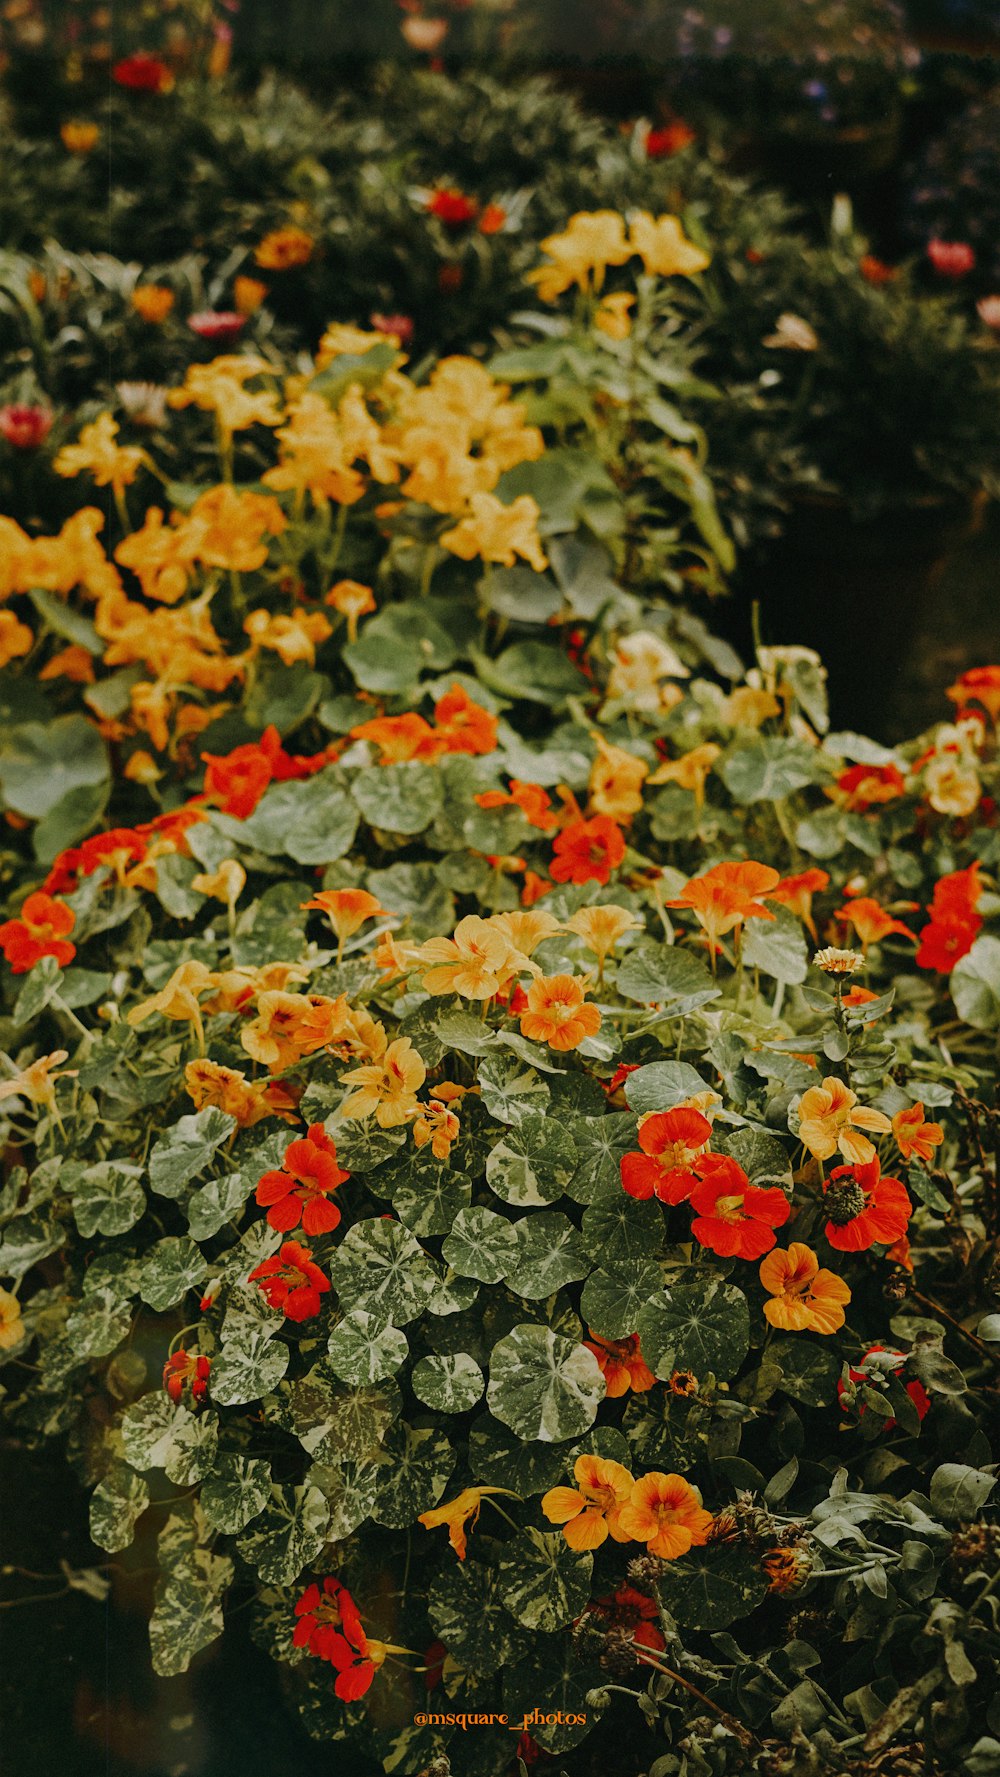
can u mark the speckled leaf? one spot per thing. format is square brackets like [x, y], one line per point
[362, 1348]
[418, 1463]
[661, 1085]
[544, 1386]
[621, 1232]
[511, 1090]
[210, 1208]
[532, 1163]
[287, 1535]
[763, 1157]
[466, 1611]
[99, 1324]
[171, 1268]
[380, 1267]
[703, 1327]
[554, 1669]
[400, 798]
[600, 1144]
[117, 1502]
[482, 1244]
[186, 1149]
[339, 1424]
[543, 1583]
[236, 1492]
[247, 1367]
[551, 1253]
[349, 1491]
[612, 1300]
[107, 1198]
[450, 1384]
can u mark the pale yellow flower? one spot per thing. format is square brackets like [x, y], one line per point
[387, 1089]
[830, 1117]
[663, 246]
[690, 770]
[224, 884]
[602, 928]
[37, 1081]
[498, 533]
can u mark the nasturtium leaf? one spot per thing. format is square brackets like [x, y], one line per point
[482, 1245]
[611, 1300]
[116, 1504]
[193, 1445]
[571, 1689]
[418, 1463]
[380, 1267]
[452, 1294]
[349, 1490]
[543, 1385]
[601, 1143]
[187, 1608]
[711, 1587]
[287, 1535]
[363, 1349]
[236, 1491]
[660, 973]
[539, 672]
[661, 1085]
[171, 1267]
[414, 891]
[958, 1491]
[363, 1146]
[398, 798]
[500, 1459]
[211, 1207]
[27, 1240]
[551, 1253]
[764, 1158]
[429, 1195]
[532, 1162]
[107, 1197]
[174, 876]
[450, 1384]
[43, 763]
[511, 1091]
[99, 1324]
[702, 1327]
[543, 1583]
[335, 1423]
[247, 1368]
[623, 1232]
[186, 1149]
[809, 1372]
[147, 1430]
[520, 593]
[39, 987]
[466, 1611]
[975, 985]
[777, 947]
[768, 768]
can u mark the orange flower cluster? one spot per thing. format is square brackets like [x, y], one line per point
[460, 726]
[41, 929]
[663, 1511]
[954, 921]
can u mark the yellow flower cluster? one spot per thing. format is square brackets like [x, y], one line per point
[596, 239]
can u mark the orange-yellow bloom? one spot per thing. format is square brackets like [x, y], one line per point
[663, 246]
[616, 780]
[178, 998]
[690, 771]
[77, 137]
[665, 1512]
[461, 1511]
[498, 533]
[591, 1511]
[914, 1136]
[11, 1323]
[804, 1298]
[871, 921]
[225, 884]
[439, 1126]
[249, 1101]
[110, 464]
[558, 1014]
[352, 600]
[476, 963]
[346, 909]
[284, 248]
[153, 302]
[292, 638]
[37, 1081]
[387, 1089]
[15, 638]
[290, 1025]
[248, 294]
[830, 1118]
[727, 895]
[591, 241]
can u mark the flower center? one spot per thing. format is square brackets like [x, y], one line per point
[729, 1209]
[844, 1201]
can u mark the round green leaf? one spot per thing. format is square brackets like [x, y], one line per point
[482, 1245]
[532, 1163]
[711, 1587]
[362, 1348]
[543, 1583]
[450, 1384]
[702, 1327]
[287, 1535]
[544, 1386]
[418, 1462]
[171, 1268]
[399, 798]
[466, 1611]
[613, 1300]
[247, 1368]
[551, 1253]
[236, 1491]
[379, 1266]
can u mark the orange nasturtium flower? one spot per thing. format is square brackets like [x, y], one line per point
[178, 998]
[803, 1298]
[864, 1209]
[293, 638]
[110, 464]
[591, 1511]
[37, 1081]
[438, 1126]
[615, 782]
[557, 1013]
[665, 1512]
[664, 248]
[15, 638]
[587, 851]
[11, 1324]
[400, 738]
[476, 963]
[830, 1118]
[346, 910]
[299, 1190]
[249, 1101]
[284, 248]
[591, 241]
[622, 1365]
[78, 137]
[796, 893]
[498, 533]
[224, 884]
[914, 1136]
[463, 725]
[871, 921]
[461, 1511]
[723, 897]
[153, 302]
[351, 599]
[248, 294]
[387, 1089]
[690, 771]
[41, 929]
[291, 1025]
[981, 683]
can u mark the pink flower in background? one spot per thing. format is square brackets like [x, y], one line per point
[951, 259]
[988, 310]
[25, 427]
[217, 325]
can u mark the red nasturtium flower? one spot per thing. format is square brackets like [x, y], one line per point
[864, 786]
[982, 685]
[671, 1143]
[143, 74]
[237, 780]
[329, 1625]
[25, 427]
[451, 206]
[735, 1218]
[627, 1608]
[217, 325]
[668, 140]
[299, 1191]
[290, 1281]
[463, 725]
[951, 259]
[622, 1365]
[588, 851]
[879, 1363]
[186, 1369]
[41, 929]
[954, 921]
[864, 1209]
